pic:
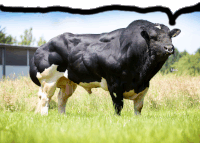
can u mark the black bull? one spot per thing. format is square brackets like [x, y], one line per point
[126, 58]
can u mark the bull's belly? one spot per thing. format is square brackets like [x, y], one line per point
[89, 86]
[50, 78]
[132, 95]
[103, 84]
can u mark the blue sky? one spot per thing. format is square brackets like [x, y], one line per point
[52, 24]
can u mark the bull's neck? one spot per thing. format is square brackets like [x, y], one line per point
[151, 66]
[146, 67]
[141, 61]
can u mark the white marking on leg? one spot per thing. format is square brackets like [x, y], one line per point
[66, 74]
[62, 101]
[67, 88]
[103, 84]
[138, 102]
[44, 110]
[48, 79]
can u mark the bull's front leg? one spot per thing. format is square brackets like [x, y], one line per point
[113, 84]
[139, 101]
[117, 100]
[118, 105]
[138, 105]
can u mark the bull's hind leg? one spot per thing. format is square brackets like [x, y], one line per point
[66, 90]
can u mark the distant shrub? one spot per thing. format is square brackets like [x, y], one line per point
[188, 65]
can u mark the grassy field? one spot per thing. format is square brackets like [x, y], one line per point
[171, 113]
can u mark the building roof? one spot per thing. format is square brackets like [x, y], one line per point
[2, 45]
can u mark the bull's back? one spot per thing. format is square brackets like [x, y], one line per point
[63, 49]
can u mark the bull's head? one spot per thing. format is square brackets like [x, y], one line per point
[158, 38]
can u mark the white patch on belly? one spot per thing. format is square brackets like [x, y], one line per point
[103, 84]
[66, 74]
[132, 95]
[89, 86]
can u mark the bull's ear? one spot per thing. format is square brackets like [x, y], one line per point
[174, 32]
[144, 34]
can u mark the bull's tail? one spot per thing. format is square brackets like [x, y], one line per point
[33, 72]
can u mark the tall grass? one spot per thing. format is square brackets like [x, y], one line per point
[155, 127]
[165, 92]
[170, 114]
[171, 91]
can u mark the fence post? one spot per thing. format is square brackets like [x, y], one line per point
[27, 57]
[4, 62]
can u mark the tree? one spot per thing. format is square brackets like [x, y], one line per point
[27, 38]
[188, 64]
[198, 51]
[166, 68]
[41, 41]
[5, 39]
[184, 53]
[170, 61]
[14, 41]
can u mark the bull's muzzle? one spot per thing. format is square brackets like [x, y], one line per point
[169, 49]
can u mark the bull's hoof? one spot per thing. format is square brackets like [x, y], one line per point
[44, 111]
[61, 112]
[117, 114]
[137, 113]
[89, 91]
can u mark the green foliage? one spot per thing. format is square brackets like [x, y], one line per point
[14, 40]
[183, 62]
[198, 50]
[188, 64]
[5, 39]
[182, 54]
[41, 41]
[171, 60]
[27, 38]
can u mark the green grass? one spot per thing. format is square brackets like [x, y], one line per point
[152, 126]
[171, 113]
